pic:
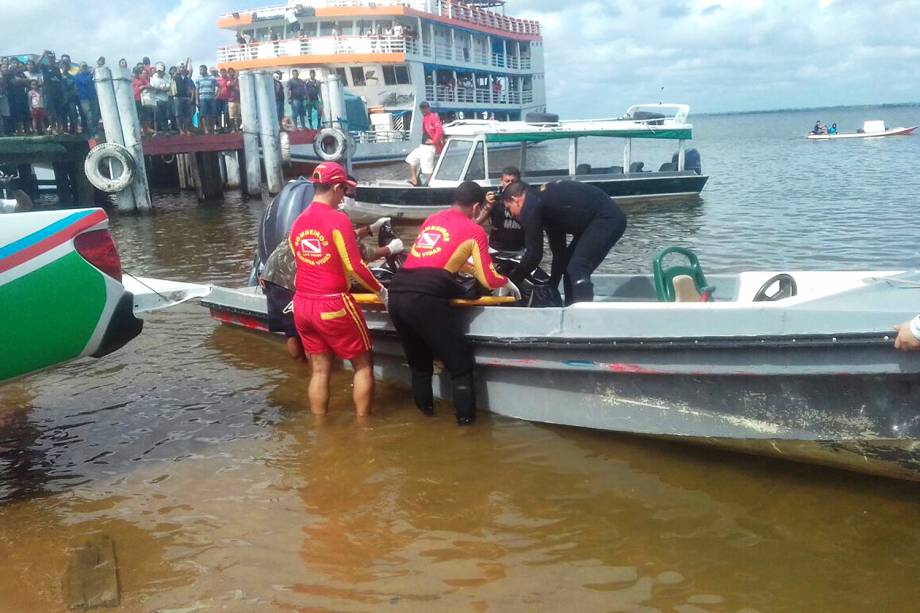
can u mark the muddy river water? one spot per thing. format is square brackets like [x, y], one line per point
[193, 450]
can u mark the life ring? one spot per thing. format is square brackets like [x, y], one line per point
[330, 137]
[101, 156]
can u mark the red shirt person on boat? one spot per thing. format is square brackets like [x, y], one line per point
[327, 318]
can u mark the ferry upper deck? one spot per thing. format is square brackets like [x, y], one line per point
[448, 52]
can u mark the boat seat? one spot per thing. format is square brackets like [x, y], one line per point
[667, 167]
[636, 167]
[685, 289]
[669, 284]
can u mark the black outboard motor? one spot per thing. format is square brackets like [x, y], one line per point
[278, 220]
[692, 161]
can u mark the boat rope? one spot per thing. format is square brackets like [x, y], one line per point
[147, 286]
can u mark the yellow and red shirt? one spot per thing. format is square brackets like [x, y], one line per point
[328, 258]
[451, 242]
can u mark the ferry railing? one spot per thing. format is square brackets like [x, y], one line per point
[452, 9]
[381, 136]
[317, 45]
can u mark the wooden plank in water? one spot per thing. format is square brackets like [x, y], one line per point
[92, 575]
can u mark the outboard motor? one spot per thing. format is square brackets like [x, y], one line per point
[278, 220]
[692, 161]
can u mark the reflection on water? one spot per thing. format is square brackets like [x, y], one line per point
[194, 450]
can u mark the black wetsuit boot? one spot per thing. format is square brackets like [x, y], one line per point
[421, 390]
[464, 399]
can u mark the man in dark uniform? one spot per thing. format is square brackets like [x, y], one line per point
[506, 233]
[420, 293]
[595, 222]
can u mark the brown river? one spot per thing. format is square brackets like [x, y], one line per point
[193, 450]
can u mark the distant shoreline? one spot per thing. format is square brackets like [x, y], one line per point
[815, 108]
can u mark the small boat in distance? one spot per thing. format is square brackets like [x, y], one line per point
[871, 129]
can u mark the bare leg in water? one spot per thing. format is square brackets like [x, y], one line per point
[363, 384]
[320, 370]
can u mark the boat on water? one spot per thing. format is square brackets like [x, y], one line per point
[468, 155]
[467, 59]
[870, 129]
[795, 364]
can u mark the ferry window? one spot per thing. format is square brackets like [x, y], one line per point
[453, 159]
[341, 72]
[345, 28]
[477, 169]
[396, 75]
[357, 76]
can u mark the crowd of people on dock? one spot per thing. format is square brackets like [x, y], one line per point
[45, 95]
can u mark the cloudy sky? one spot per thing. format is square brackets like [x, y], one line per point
[602, 55]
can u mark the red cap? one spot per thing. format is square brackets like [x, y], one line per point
[331, 173]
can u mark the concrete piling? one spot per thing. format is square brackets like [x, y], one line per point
[251, 130]
[269, 131]
[111, 123]
[131, 132]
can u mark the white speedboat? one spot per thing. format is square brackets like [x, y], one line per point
[796, 364]
[870, 129]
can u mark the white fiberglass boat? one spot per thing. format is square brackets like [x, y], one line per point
[870, 129]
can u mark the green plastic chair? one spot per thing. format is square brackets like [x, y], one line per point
[664, 277]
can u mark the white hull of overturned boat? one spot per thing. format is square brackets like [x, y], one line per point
[811, 378]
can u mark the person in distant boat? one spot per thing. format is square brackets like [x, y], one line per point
[832, 129]
[420, 294]
[506, 233]
[586, 212]
[819, 128]
[327, 318]
[908, 338]
[422, 157]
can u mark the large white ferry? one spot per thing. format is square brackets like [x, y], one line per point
[467, 59]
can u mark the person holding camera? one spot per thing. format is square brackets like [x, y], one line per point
[506, 233]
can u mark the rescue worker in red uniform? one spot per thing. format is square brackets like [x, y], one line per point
[326, 316]
[420, 293]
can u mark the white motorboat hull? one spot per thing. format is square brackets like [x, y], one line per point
[812, 378]
[849, 135]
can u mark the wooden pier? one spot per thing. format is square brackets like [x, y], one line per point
[196, 162]
[64, 154]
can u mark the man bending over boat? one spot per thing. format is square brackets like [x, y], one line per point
[327, 318]
[595, 222]
[422, 157]
[420, 296]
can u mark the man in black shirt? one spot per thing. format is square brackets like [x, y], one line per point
[595, 222]
[506, 233]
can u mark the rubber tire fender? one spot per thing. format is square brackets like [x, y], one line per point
[341, 144]
[100, 154]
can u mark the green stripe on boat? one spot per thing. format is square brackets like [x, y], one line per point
[530, 137]
[63, 330]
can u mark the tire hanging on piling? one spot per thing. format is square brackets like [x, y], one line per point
[101, 154]
[339, 141]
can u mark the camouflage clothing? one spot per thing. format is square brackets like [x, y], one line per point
[281, 266]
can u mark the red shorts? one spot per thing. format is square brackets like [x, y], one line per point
[331, 324]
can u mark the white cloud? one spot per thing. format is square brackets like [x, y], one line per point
[713, 54]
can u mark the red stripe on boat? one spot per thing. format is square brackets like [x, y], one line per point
[49, 243]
